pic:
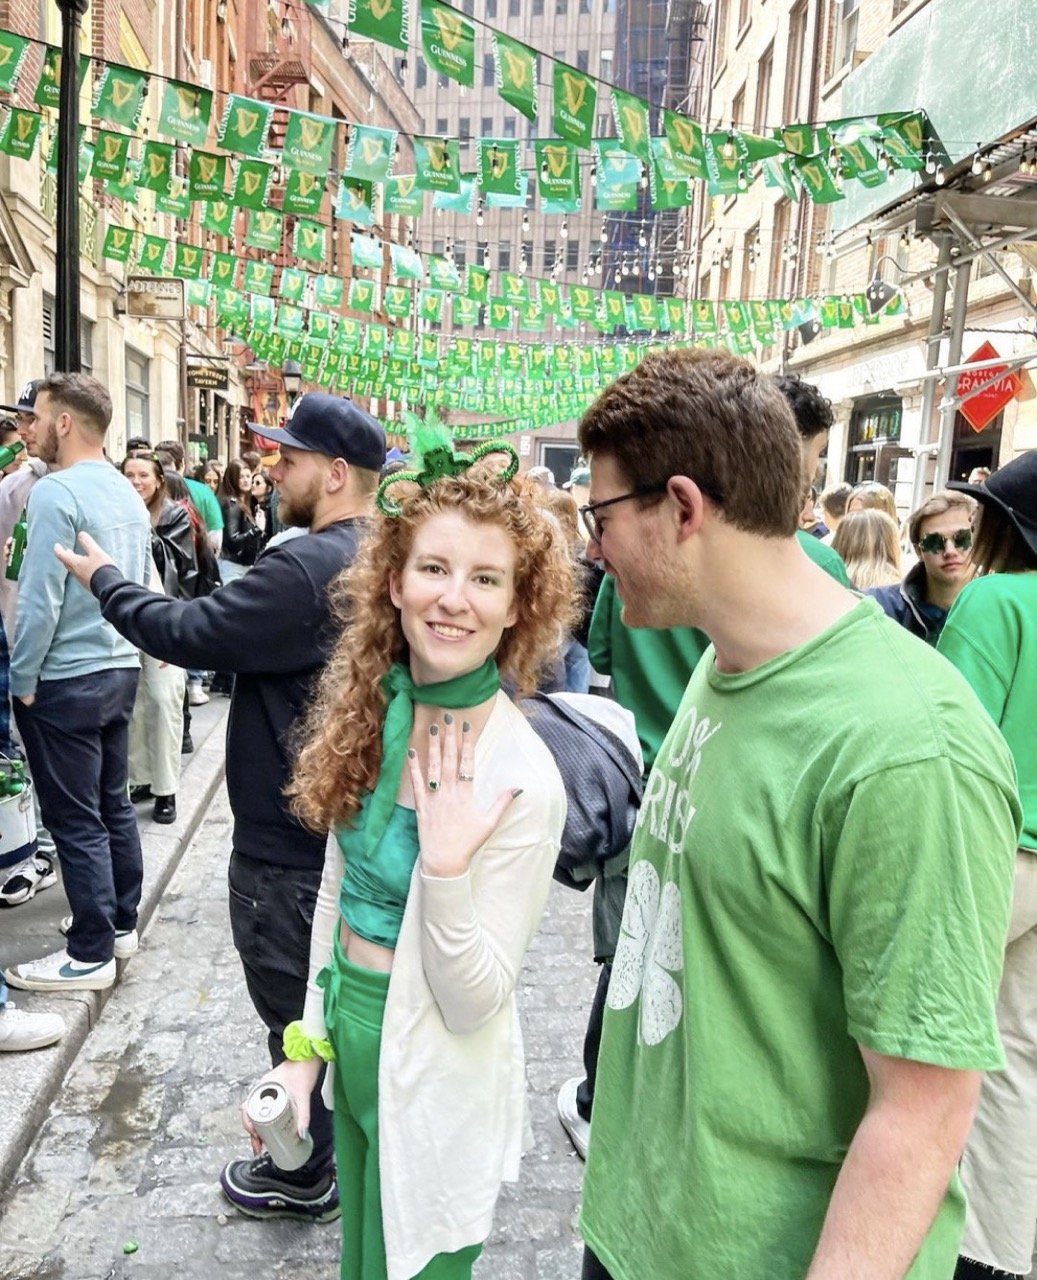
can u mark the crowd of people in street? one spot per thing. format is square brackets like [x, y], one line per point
[785, 736]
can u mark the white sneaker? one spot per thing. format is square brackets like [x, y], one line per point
[20, 1031]
[127, 943]
[196, 695]
[573, 1123]
[59, 972]
[21, 883]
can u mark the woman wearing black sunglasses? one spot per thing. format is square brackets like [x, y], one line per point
[991, 637]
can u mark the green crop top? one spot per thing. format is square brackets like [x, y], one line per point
[374, 889]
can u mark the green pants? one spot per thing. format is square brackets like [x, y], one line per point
[354, 1007]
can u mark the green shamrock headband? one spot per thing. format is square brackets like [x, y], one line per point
[431, 442]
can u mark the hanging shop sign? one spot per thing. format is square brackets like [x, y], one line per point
[207, 376]
[155, 298]
[980, 410]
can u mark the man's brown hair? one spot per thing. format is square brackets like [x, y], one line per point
[81, 396]
[939, 504]
[709, 416]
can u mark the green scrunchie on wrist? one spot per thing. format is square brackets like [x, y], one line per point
[299, 1047]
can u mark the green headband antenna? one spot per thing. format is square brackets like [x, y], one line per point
[432, 443]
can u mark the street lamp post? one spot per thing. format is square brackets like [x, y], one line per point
[291, 374]
[66, 340]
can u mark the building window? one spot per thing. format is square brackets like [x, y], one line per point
[422, 72]
[460, 255]
[440, 125]
[468, 6]
[487, 69]
[722, 24]
[776, 278]
[514, 8]
[86, 339]
[504, 255]
[491, 8]
[531, 129]
[604, 124]
[464, 128]
[572, 255]
[509, 127]
[583, 60]
[738, 109]
[561, 6]
[549, 254]
[138, 394]
[487, 127]
[750, 251]
[606, 64]
[586, 6]
[743, 14]
[795, 61]
[846, 33]
[609, 6]
[764, 75]
[538, 8]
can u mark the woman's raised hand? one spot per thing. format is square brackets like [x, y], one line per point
[451, 825]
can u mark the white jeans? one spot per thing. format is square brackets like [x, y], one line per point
[999, 1167]
[157, 727]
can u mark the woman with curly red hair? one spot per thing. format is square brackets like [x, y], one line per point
[446, 813]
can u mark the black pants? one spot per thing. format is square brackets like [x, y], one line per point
[271, 915]
[76, 737]
[592, 1268]
[592, 1043]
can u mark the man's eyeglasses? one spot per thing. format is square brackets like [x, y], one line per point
[589, 513]
[933, 543]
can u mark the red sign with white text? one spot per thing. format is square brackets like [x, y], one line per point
[981, 409]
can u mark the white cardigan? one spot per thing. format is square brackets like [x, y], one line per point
[452, 1112]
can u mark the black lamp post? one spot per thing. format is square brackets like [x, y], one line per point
[291, 374]
[66, 339]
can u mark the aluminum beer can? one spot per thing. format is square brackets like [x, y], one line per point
[270, 1109]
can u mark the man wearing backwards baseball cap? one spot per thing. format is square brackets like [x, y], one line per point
[273, 629]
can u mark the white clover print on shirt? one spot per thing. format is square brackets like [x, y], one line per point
[649, 952]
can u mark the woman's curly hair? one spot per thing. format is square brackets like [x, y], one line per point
[341, 743]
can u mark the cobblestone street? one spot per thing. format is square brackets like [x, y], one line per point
[130, 1152]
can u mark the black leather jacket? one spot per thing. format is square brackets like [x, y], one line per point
[172, 545]
[242, 537]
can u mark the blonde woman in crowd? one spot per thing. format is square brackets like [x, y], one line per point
[869, 543]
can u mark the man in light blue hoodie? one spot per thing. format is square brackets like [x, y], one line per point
[73, 683]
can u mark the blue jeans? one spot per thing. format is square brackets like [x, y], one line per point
[271, 917]
[76, 737]
[577, 668]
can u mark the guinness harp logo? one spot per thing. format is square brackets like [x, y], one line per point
[686, 139]
[380, 9]
[645, 306]
[439, 156]
[356, 198]
[451, 27]
[5, 54]
[615, 306]
[583, 296]
[499, 161]
[112, 148]
[186, 103]
[207, 167]
[119, 237]
[307, 183]
[223, 269]
[404, 186]
[499, 312]
[635, 123]
[122, 91]
[246, 121]
[250, 180]
[557, 160]
[220, 209]
[154, 252]
[266, 221]
[24, 123]
[311, 131]
[157, 164]
[188, 255]
[574, 89]
[518, 68]
[373, 149]
[310, 238]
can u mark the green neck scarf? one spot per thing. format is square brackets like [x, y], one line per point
[468, 690]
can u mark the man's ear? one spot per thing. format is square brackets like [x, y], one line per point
[689, 505]
[337, 475]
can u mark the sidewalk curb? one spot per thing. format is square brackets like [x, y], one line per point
[32, 1080]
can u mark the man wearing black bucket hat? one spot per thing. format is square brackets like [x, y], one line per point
[272, 629]
[991, 637]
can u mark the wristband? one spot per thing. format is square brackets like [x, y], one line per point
[299, 1047]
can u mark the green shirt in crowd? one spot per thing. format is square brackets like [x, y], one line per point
[822, 554]
[207, 503]
[823, 859]
[991, 637]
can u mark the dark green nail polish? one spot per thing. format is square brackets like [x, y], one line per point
[447, 718]
[466, 727]
[411, 754]
[433, 730]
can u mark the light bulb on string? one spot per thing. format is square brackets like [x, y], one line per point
[930, 161]
[977, 162]
[594, 174]
[525, 223]
[480, 216]
[603, 235]
[727, 148]
[345, 44]
[563, 230]
[644, 177]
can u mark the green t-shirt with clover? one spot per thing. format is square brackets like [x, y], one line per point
[823, 859]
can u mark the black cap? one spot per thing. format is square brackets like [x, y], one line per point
[26, 398]
[332, 425]
[1014, 490]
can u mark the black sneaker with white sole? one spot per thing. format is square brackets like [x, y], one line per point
[258, 1188]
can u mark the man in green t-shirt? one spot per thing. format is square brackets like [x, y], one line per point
[802, 1001]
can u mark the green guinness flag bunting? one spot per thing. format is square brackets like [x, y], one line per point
[13, 52]
[207, 175]
[903, 138]
[371, 152]
[185, 113]
[551, 298]
[499, 314]
[126, 189]
[118, 241]
[177, 202]
[48, 87]
[387, 21]
[477, 284]
[817, 178]
[558, 170]
[726, 163]
[310, 241]
[19, 133]
[252, 184]
[430, 305]
[403, 197]
[188, 260]
[460, 201]
[376, 340]
[304, 192]
[361, 296]
[156, 167]
[575, 105]
[218, 217]
[327, 291]
[703, 317]
[397, 301]
[119, 96]
[777, 172]
[262, 311]
[245, 125]
[584, 302]
[223, 269]
[403, 345]
[259, 277]
[289, 320]
[199, 293]
[515, 287]
[111, 152]
[465, 312]
[448, 42]
[619, 175]
[517, 73]
[631, 116]
[428, 351]
[686, 146]
[498, 166]
[152, 253]
[405, 263]
[438, 163]
[293, 284]
[443, 274]
[265, 228]
[367, 252]
[354, 202]
[308, 142]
